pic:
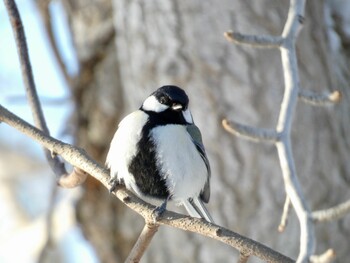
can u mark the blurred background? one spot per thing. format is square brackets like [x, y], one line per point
[95, 61]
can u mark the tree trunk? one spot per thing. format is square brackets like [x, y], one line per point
[154, 43]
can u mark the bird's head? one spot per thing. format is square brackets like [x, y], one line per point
[171, 99]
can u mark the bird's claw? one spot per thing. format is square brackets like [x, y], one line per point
[158, 211]
[113, 184]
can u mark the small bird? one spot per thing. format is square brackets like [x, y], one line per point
[157, 152]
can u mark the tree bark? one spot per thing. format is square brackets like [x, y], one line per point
[127, 49]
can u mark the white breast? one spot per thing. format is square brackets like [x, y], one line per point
[123, 147]
[182, 166]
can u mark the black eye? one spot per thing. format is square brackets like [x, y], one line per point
[163, 100]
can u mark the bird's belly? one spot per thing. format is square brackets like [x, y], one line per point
[181, 165]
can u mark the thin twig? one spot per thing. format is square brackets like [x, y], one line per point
[78, 158]
[319, 99]
[254, 40]
[284, 217]
[46, 16]
[142, 243]
[332, 213]
[44, 255]
[326, 257]
[250, 133]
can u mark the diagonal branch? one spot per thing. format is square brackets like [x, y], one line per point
[74, 155]
[64, 178]
[33, 99]
[78, 158]
[199, 226]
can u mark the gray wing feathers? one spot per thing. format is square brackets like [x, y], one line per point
[196, 208]
[197, 140]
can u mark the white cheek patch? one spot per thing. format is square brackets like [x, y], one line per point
[152, 104]
[188, 116]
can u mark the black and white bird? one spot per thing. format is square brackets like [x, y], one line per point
[157, 152]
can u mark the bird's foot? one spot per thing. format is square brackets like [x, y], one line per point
[113, 184]
[159, 210]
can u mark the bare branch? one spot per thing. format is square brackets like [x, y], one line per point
[75, 156]
[43, 6]
[284, 149]
[44, 254]
[281, 137]
[319, 99]
[33, 99]
[26, 67]
[250, 133]
[75, 178]
[326, 257]
[332, 213]
[200, 226]
[254, 40]
[142, 243]
[78, 158]
[284, 217]
[22, 49]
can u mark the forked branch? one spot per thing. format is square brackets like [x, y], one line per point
[281, 135]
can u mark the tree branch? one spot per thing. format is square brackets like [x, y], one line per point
[250, 133]
[33, 99]
[332, 213]
[319, 99]
[43, 6]
[326, 257]
[142, 243]
[284, 148]
[78, 158]
[284, 217]
[75, 156]
[254, 40]
[286, 44]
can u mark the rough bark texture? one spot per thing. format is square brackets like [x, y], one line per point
[154, 43]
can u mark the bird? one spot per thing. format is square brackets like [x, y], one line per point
[158, 153]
